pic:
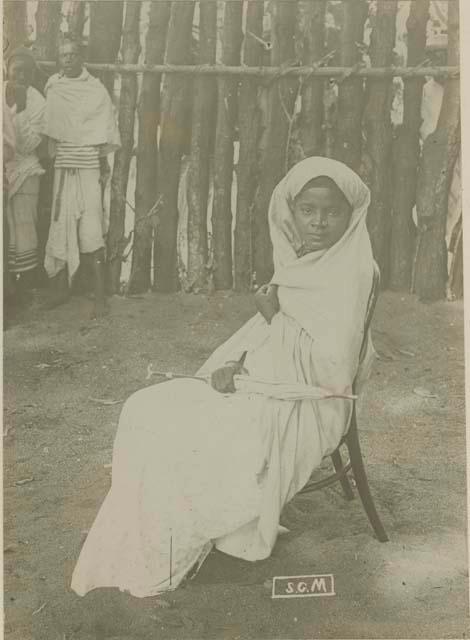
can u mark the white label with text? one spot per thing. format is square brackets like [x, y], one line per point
[303, 586]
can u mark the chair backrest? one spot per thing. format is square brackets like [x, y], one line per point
[373, 297]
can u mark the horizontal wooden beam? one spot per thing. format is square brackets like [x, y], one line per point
[275, 72]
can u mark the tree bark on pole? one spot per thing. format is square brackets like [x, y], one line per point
[281, 106]
[378, 133]
[406, 155]
[105, 35]
[172, 140]
[122, 159]
[75, 18]
[249, 131]
[15, 31]
[48, 18]
[147, 149]
[440, 152]
[330, 99]
[200, 152]
[455, 282]
[223, 156]
[350, 103]
[313, 49]
[271, 72]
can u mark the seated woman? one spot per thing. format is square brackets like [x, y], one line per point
[197, 467]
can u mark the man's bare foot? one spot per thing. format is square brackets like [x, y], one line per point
[56, 300]
[100, 310]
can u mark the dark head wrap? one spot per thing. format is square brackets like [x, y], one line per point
[326, 182]
[38, 79]
[24, 54]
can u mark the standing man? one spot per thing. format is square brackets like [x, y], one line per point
[81, 126]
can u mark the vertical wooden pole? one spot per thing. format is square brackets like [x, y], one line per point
[455, 282]
[333, 30]
[75, 17]
[313, 49]
[249, 131]
[122, 159]
[105, 36]
[199, 161]
[273, 164]
[15, 25]
[350, 105]
[48, 17]
[406, 155]
[223, 157]
[172, 140]
[147, 150]
[378, 132]
[440, 152]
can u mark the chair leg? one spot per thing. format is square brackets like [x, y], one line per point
[362, 484]
[338, 465]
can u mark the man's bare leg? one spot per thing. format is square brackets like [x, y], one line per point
[59, 290]
[98, 266]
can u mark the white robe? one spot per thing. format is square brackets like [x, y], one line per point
[193, 468]
[28, 126]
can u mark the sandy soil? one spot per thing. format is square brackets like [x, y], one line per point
[59, 368]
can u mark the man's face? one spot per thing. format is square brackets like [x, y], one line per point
[70, 60]
[321, 216]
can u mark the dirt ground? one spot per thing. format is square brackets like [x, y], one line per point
[65, 379]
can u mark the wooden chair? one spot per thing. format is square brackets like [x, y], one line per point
[351, 440]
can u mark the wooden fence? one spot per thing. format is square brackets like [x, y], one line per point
[268, 92]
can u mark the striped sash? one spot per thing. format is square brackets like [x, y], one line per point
[71, 156]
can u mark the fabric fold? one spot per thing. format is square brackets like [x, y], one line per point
[79, 111]
[216, 469]
[28, 125]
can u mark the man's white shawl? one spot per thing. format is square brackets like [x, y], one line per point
[79, 111]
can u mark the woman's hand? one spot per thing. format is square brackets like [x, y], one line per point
[267, 302]
[15, 94]
[20, 98]
[222, 378]
[10, 93]
[42, 150]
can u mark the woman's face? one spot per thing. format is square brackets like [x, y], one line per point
[321, 215]
[19, 72]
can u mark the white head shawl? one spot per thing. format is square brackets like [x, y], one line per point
[284, 236]
[325, 292]
[338, 279]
